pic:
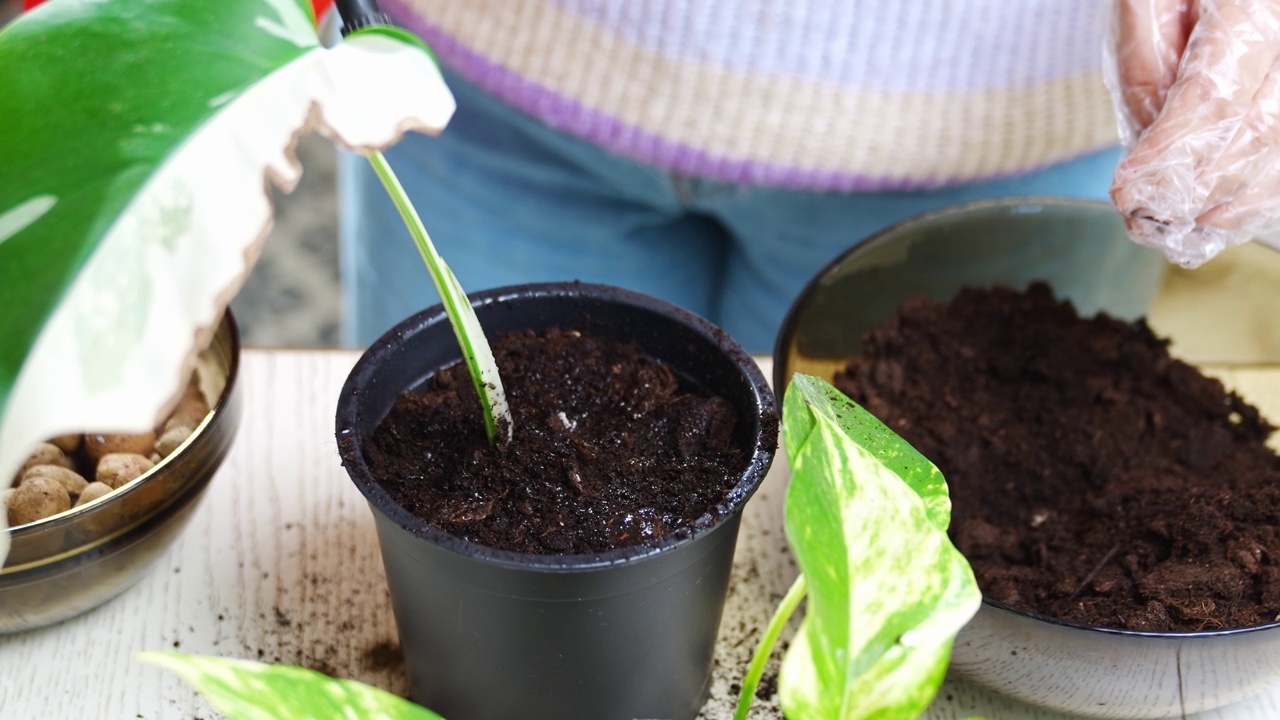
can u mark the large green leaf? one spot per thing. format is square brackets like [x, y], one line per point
[866, 516]
[247, 690]
[139, 139]
[95, 96]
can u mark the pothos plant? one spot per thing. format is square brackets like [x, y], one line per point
[866, 517]
[139, 137]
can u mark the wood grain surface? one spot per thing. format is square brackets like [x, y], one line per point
[280, 563]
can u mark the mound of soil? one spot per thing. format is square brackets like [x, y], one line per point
[608, 450]
[1094, 478]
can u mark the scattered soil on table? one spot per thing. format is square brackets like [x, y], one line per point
[1094, 478]
[608, 451]
[768, 686]
[385, 655]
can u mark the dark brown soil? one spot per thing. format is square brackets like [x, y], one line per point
[1093, 477]
[608, 451]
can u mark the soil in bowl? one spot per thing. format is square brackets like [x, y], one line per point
[1094, 477]
[609, 450]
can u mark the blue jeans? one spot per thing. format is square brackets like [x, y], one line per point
[508, 200]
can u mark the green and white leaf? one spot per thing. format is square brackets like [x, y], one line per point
[139, 139]
[821, 400]
[247, 690]
[476, 352]
[866, 516]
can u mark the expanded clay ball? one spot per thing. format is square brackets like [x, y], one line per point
[172, 438]
[98, 445]
[45, 454]
[189, 412]
[116, 469]
[67, 443]
[72, 481]
[36, 499]
[91, 492]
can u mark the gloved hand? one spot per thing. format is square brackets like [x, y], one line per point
[1197, 91]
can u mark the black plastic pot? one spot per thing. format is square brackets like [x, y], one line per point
[491, 634]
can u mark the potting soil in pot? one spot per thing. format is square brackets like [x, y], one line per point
[1094, 478]
[608, 450]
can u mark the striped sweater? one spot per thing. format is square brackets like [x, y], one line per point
[842, 95]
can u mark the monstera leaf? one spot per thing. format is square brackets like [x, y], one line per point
[138, 138]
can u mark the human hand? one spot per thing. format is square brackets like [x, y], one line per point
[1197, 91]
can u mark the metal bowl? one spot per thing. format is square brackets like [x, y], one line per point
[69, 563]
[1065, 666]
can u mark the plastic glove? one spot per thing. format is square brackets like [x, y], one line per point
[1197, 91]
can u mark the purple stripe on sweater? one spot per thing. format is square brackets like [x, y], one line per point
[610, 133]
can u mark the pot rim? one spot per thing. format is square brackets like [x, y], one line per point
[749, 480]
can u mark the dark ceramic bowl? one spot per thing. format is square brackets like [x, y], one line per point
[67, 564]
[1065, 666]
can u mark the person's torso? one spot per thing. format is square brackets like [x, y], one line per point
[826, 95]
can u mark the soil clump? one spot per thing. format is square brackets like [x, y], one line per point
[1094, 478]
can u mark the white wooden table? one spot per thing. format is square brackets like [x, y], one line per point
[280, 563]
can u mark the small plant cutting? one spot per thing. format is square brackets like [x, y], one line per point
[138, 142]
[866, 517]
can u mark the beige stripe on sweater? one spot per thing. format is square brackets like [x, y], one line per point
[787, 121]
